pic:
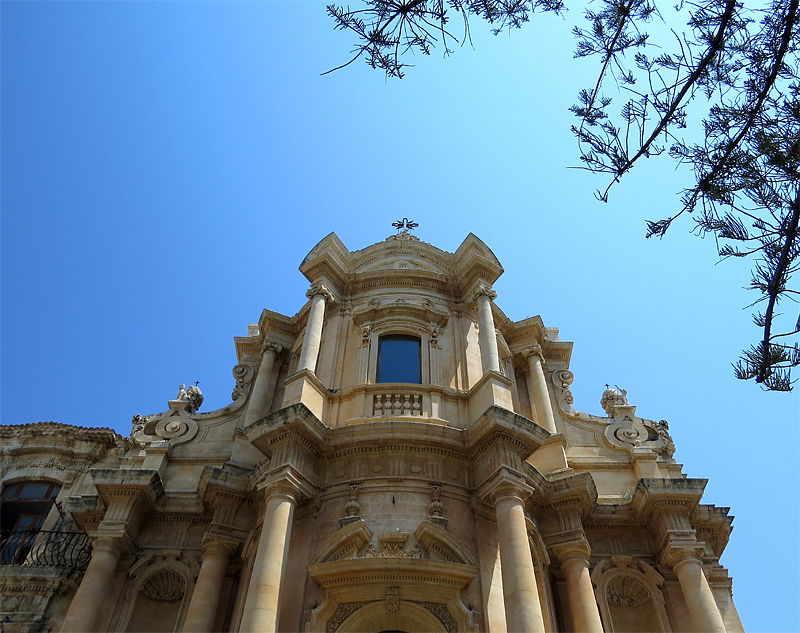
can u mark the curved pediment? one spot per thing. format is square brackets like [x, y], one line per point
[345, 543]
[437, 541]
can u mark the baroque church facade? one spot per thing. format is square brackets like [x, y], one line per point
[398, 456]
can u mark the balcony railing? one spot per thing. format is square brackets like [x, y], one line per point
[397, 403]
[71, 550]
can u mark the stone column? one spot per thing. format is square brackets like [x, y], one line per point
[217, 551]
[258, 399]
[83, 610]
[538, 388]
[318, 294]
[703, 609]
[520, 592]
[490, 358]
[261, 607]
[580, 592]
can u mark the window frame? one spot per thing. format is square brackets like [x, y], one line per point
[399, 337]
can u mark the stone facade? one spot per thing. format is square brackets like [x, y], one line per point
[473, 497]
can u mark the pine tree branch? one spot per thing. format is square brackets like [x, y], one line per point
[774, 288]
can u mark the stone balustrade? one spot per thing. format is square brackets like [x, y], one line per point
[397, 403]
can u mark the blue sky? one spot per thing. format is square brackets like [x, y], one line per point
[167, 165]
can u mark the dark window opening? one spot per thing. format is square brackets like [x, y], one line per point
[399, 359]
[23, 511]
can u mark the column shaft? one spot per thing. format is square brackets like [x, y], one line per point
[92, 591]
[490, 358]
[580, 594]
[313, 335]
[520, 593]
[699, 598]
[258, 399]
[205, 599]
[262, 603]
[541, 397]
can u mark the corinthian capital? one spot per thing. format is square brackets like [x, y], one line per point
[319, 288]
[484, 290]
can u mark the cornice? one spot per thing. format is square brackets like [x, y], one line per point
[104, 437]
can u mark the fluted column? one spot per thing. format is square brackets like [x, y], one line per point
[261, 607]
[85, 606]
[538, 388]
[318, 294]
[217, 551]
[699, 598]
[520, 592]
[487, 339]
[580, 592]
[258, 399]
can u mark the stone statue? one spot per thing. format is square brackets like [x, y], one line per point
[613, 398]
[194, 396]
[138, 423]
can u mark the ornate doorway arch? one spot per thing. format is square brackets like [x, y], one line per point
[370, 592]
[409, 617]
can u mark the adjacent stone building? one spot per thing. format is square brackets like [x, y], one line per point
[398, 456]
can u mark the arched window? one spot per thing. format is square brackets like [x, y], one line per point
[399, 359]
[24, 508]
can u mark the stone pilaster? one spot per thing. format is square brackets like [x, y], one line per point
[318, 294]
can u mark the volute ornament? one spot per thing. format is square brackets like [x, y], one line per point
[244, 377]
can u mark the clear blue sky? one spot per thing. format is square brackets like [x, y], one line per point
[167, 165]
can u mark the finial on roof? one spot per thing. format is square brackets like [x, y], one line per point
[405, 225]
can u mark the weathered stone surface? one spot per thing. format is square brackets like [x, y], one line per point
[320, 499]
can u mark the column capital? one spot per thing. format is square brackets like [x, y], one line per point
[219, 544]
[504, 484]
[576, 549]
[484, 290]
[534, 352]
[674, 555]
[285, 483]
[119, 543]
[115, 544]
[270, 346]
[319, 288]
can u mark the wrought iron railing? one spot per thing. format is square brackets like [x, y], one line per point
[71, 550]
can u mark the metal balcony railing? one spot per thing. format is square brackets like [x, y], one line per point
[70, 550]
